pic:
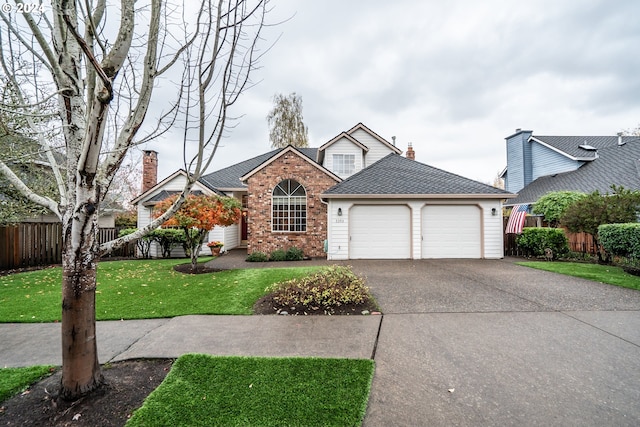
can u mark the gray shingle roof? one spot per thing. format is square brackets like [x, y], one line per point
[571, 144]
[614, 165]
[229, 177]
[395, 174]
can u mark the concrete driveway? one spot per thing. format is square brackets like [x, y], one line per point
[482, 342]
[461, 343]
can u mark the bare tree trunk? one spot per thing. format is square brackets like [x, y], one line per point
[80, 370]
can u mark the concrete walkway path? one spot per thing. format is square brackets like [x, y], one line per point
[461, 342]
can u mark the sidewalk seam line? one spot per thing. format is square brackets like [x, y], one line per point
[138, 339]
[375, 344]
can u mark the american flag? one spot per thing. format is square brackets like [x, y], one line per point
[516, 219]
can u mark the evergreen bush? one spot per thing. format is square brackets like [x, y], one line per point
[257, 256]
[533, 241]
[278, 255]
[294, 254]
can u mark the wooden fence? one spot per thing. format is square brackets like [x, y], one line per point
[33, 244]
[578, 242]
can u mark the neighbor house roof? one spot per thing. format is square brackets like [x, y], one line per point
[576, 146]
[397, 176]
[615, 164]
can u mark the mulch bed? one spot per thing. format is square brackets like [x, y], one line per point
[126, 386]
[266, 305]
[200, 269]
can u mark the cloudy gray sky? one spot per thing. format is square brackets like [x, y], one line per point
[454, 78]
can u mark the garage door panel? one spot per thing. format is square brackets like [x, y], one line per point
[379, 232]
[451, 232]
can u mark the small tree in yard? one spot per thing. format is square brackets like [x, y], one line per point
[198, 215]
[552, 205]
[587, 214]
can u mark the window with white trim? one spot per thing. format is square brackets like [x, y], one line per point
[344, 164]
[289, 207]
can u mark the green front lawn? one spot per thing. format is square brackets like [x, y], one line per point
[15, 380]
[202, 390]
[596, 272]
[142, 289]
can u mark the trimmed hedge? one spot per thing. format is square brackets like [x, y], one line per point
[621, 239]
[533, 241]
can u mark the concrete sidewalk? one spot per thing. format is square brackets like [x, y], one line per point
[319, 336]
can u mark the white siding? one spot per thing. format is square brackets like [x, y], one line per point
[377, 150]
[338, 230]
[343, 146]
[145, 213]
[493, 229]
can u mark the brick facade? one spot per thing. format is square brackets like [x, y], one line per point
[289, 165]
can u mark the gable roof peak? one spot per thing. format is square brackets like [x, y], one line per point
[289, 149]
[361, 126]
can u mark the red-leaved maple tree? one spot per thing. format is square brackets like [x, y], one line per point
[199, 214]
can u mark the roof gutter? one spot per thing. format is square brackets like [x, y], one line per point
[419, 196]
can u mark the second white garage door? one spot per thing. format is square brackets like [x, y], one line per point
[380, 232]
[451, 232]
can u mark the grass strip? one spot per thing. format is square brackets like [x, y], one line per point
[596, 272]
[251, 391]
[142, 289]
[16, 380]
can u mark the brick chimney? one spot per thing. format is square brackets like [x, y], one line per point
[411, 155]
[149, 169]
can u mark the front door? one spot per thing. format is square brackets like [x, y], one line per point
[244, 226]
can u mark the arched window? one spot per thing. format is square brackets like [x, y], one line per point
[289, 207]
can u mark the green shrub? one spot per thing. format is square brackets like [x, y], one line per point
[143, 244]
[533, 241]
[621, 239]
[257, 256]
[278, 255]
[327, 289]
[168, 238]
[294, 254]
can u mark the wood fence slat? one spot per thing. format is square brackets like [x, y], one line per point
[33, 244]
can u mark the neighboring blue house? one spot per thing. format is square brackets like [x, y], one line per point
[537, 165]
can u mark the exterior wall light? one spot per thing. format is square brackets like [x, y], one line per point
[494, 211]
[339, 211]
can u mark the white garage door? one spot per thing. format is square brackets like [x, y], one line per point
[380, 232]
[451, 232]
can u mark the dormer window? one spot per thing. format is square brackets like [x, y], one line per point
[344, 164]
